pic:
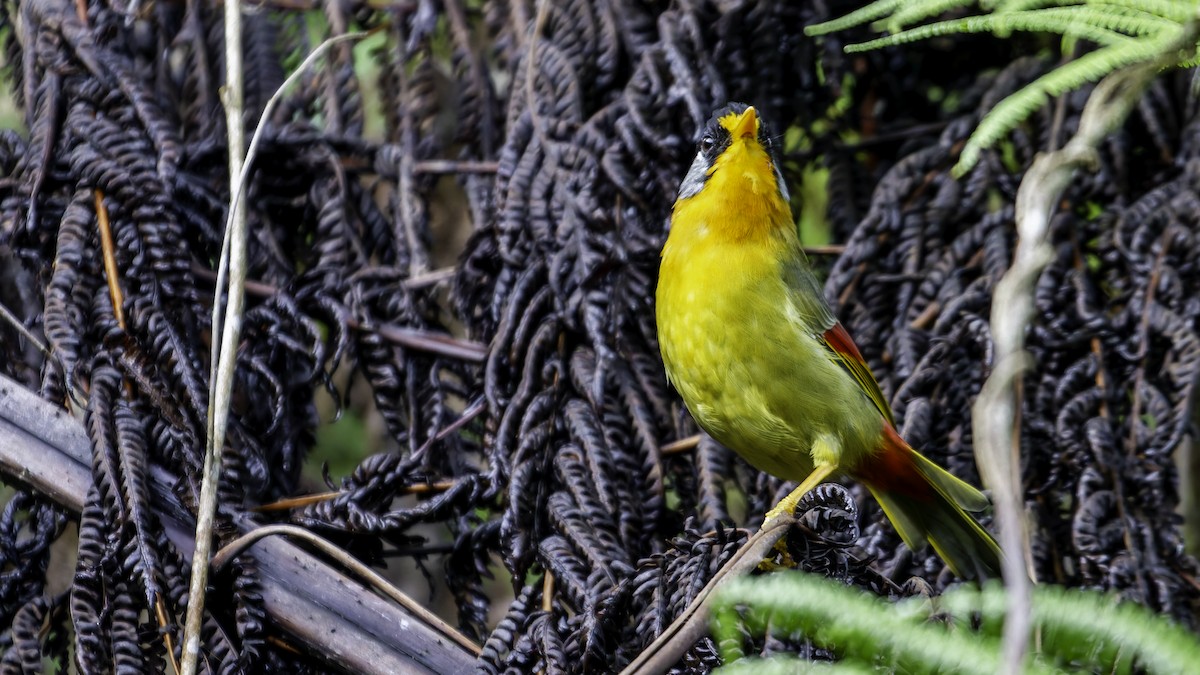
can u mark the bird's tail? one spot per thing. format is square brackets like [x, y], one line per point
[927, 503]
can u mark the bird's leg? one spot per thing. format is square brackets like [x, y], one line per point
[788, 503]
[786, 506]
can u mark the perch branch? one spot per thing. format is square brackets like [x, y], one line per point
[690, 626]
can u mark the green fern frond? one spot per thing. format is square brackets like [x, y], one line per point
[914, 12]
[1171, 10]
[1137, 16]
[1179, 11]
[997, 23]
[1017, 107]
[848, 621]
[1025, 5]
[790, 665]
[1127, 32]
[867, 14]
[1103, 28]
[1090, 627]
[1083, 631]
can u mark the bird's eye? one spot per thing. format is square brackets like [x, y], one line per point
[707, 143]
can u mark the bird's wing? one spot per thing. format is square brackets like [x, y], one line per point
[810, 303]
[844, 352]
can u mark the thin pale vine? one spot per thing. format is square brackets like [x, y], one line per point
[995, 411]
[224, 356]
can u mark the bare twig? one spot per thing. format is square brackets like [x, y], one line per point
[927, 316]
[1135, 414]
[896, 135]
[681, 445]
[430, 278]
[316, 498]
[531, 67]
[413, 338]
[825, 249]
[224, 352]
[262, 289]
[109, 252]
[398, 6]
[428, 341]
[11, 319]
[995, 411]
[436, 166]
[472, 411]
[548, 592]
[255, 288]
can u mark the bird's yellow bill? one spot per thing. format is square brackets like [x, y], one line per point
[746, 124]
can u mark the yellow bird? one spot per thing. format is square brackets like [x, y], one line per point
[766, 368]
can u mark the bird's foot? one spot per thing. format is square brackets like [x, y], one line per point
[781, 559]
[787, 505]
[783, 508]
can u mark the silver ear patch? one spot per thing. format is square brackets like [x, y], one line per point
[779, 181]
[694, 180]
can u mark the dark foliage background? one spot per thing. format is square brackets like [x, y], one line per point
[567, 127]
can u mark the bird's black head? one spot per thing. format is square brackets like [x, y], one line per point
[726, 123]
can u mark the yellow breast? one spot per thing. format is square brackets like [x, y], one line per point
[720, 326]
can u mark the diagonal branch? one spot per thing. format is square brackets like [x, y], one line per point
[316, 607]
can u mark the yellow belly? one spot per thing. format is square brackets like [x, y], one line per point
[752, 375]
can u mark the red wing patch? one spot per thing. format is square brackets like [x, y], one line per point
[846, 354]
[840, 340]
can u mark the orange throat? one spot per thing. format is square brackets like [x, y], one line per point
[740, 200]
